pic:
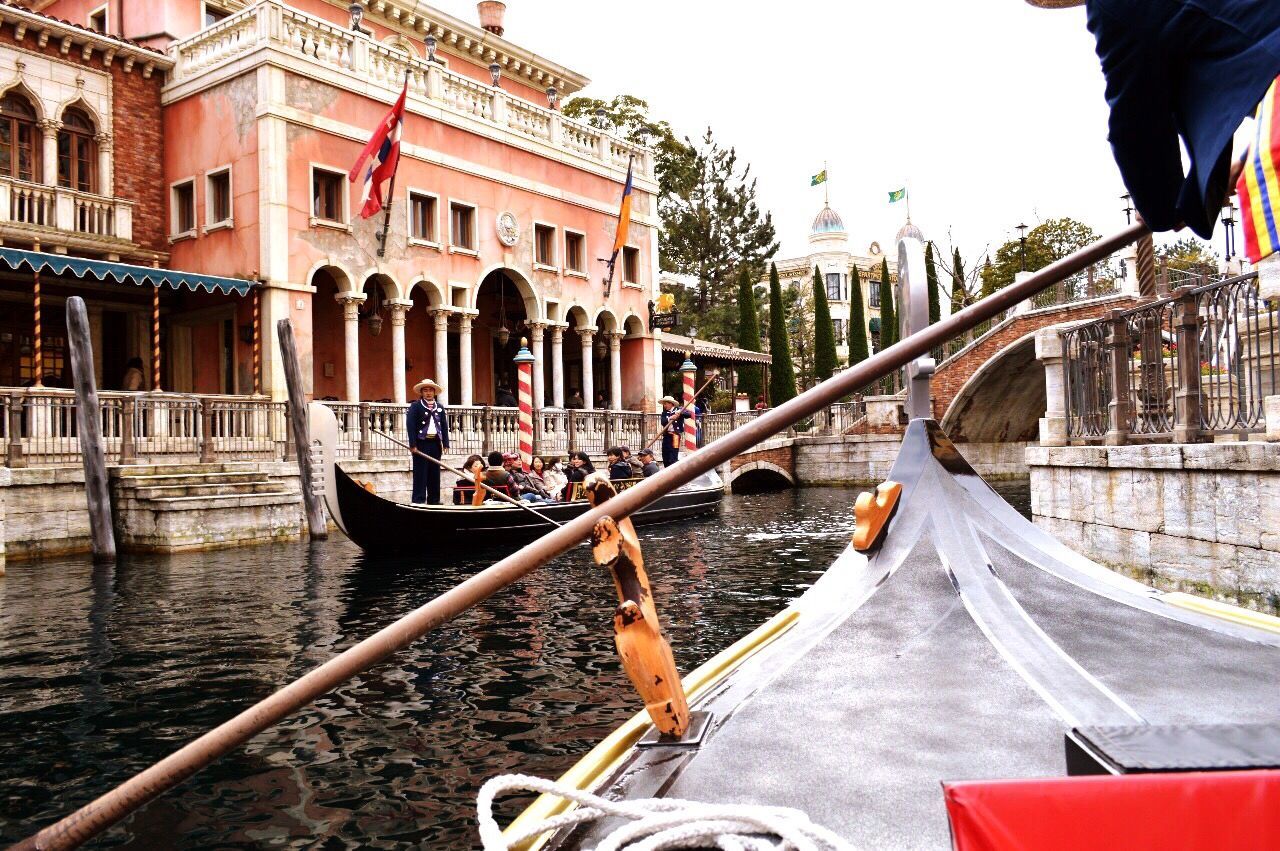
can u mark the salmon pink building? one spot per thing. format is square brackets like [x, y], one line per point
[502, 207]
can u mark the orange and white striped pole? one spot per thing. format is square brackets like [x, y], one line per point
[155, 338]
[689, 370]
[524, 380]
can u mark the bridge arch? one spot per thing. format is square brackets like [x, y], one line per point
[760, 475]
[1003, 400]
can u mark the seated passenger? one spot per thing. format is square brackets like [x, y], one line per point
[637, 468]
[464, 488]
[579, 468]
[529, 485]
[552, 474]
[618, 469]
[497, 476]
[648, 465]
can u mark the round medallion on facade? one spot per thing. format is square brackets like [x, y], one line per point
[508, 229]
[874, 250]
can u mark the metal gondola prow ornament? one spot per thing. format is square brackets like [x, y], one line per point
[913, 317]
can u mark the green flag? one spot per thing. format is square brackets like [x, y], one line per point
[897, 195]
[820, 177]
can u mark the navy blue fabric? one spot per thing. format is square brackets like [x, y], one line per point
[619, 470]
[426, 475]
[1189, 68]
[121, 273]
[416, 421]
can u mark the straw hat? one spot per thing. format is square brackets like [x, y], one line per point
[1055, 4]
[668, 399]
[427, 382]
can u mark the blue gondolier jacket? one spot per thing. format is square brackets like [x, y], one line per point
[416, 422]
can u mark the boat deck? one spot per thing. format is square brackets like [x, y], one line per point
[965, 648]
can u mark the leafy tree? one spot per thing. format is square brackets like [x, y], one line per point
[931, 281]
[858, 350]
[749, 375]
[1047, 242]
[959, 292]
[782, 375]
[888, 319]
[1188, 255]
[628, 116]
[711, 228]
[797, 301]
[824, 336]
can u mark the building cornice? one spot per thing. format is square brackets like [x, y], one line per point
[88, 44]
[470, 42]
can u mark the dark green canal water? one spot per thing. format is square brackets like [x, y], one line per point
[105, 670]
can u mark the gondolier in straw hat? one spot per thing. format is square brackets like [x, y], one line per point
[1189, 68]
[427, 424]
[673, 430]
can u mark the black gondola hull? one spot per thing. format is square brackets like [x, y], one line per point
[380, 525]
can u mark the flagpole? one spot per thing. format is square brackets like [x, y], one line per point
[391, 188]
[826, 185]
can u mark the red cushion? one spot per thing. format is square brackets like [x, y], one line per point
[1136, 812]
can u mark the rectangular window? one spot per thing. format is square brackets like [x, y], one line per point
[873, 294]
[838, 327]
[98, 20]
[326, 195]
[183, 200]
[630, 265]
[575, 252]
[218, 195]
[212, 15]
[544, 245]
[462, 226]
[422, 217]
[833, 287]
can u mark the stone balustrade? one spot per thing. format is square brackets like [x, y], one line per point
[36, 207]
[274, 26]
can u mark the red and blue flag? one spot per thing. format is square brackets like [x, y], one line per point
[383, 155]
[1259, 186]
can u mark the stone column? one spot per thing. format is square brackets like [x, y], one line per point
[1053, 425]
[351, 340]
[539, 380]
[557, 366]
[588, 381]
[49, 155]
[105, 173]
[615, 371]
[464, 359]
[440, 318]
[398, 378]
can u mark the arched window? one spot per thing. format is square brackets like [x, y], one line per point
[19, 138]
[77, 151]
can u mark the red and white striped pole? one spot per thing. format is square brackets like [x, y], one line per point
[524, 366]
[689, 370]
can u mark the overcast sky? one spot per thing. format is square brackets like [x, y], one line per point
[989, 112]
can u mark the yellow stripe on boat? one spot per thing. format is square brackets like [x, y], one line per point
[601, 760]
[1224, 611]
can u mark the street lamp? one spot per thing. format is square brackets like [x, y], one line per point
[357, 13]
[430, 42]
[1229, 228]
[1022, 244]
[495, 73]
[553, 94]
[602, 118]
[1128, 208]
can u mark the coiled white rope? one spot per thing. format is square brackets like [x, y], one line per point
[657, 823]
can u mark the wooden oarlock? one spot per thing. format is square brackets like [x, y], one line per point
[871, 513]
[637, 633]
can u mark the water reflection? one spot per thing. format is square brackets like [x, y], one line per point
[104, 670]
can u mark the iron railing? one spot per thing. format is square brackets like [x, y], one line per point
[1187, 367]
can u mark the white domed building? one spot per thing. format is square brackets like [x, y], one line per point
[829, 251]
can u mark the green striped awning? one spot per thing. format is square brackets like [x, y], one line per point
[121, 273]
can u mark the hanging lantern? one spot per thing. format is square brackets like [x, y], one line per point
[374, 321]
[503, 335]
[600, 349]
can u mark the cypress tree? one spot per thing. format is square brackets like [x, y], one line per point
[858, 350]
[958, 293]
[888, 319]
[824, 336]
[782, 375]
[931, 280]
[749, 376]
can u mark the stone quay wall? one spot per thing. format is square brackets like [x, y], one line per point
[1203, 514]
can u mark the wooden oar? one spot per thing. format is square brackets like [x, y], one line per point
[683, 407]
[519, 503]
